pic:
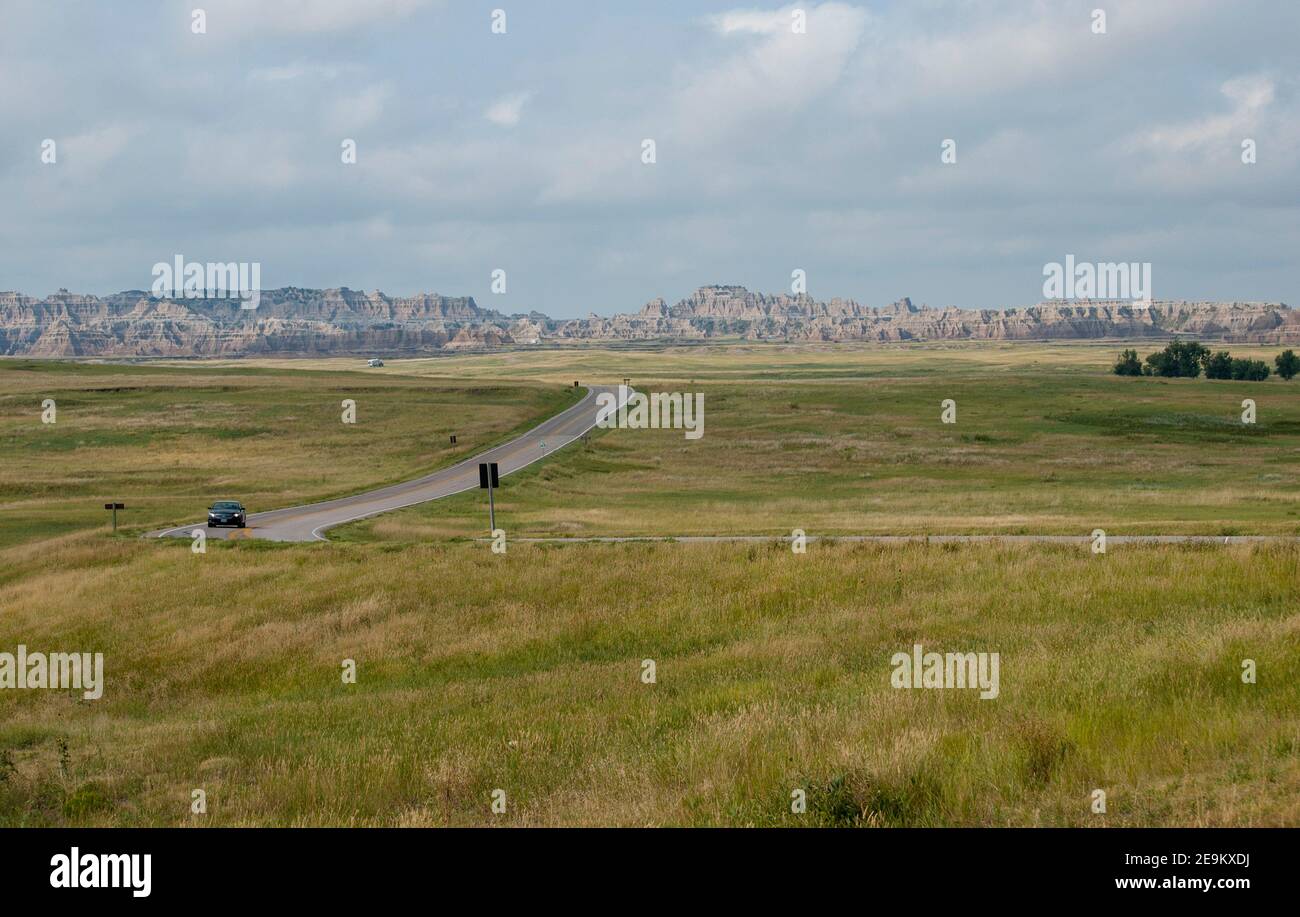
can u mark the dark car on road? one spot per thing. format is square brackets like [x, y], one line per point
[227, 512]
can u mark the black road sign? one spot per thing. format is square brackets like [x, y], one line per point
[484, 471]
[115, 507]
[453, 439]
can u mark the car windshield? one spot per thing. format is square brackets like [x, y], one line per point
[226, 504]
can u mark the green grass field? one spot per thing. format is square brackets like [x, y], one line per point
[850, 440]
[168, 441]
[523, 672]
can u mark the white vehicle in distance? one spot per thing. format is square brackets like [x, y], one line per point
[375, 362]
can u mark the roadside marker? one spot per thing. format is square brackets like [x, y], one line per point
[453, 439]
[115, 507]
[489, 480]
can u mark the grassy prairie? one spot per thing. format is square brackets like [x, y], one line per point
[522, 672]
[167, 441]
[765, 363]
[850, 440]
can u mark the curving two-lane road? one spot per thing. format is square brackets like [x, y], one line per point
[305, 523]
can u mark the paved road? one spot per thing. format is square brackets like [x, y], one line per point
[306, 523]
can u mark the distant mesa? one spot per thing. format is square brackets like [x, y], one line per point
[298, 321]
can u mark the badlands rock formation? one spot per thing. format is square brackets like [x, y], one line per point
[721, 311]
[287, 321]
[296, 321]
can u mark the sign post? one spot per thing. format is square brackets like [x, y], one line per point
[115, 507]
[489, 480]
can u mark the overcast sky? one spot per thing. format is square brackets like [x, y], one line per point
[775, 150]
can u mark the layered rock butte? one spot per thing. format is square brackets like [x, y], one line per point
[296, 321]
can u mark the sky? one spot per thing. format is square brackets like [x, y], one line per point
[776, 149]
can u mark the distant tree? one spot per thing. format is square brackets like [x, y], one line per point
[1128, 364]
[1249, 370]
[1159, 364]
[1219, 366]
[1179, 359]
[1190, 357]
[1288, 364]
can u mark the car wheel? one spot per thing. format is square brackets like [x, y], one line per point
[242, 525]
[210, 525]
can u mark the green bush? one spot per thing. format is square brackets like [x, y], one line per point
[1249, 370]
[1186, 359]
[1288, 364]
[1219, 366]
[1128, 364]
[1179, 359]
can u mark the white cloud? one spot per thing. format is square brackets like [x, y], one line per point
[984, 50]
[1249, 92]
[757, 22]
[782, 72]
[297, 70]
[1251, 96]
[1064, 136]
[757, 87]
[506, 110]
[305, 16]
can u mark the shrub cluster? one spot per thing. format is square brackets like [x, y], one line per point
[1188, 358]
[1224, 366]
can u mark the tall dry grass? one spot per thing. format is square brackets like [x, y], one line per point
[523, 672]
